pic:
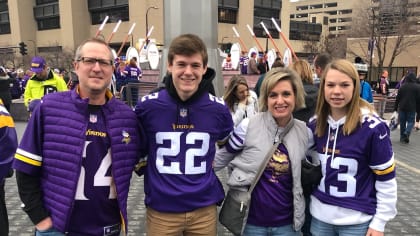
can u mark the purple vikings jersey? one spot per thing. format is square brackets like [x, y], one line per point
[96, 197]
[353, 164]
[181, 147]
[132, 72]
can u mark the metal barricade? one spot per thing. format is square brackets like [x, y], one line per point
[132, 92]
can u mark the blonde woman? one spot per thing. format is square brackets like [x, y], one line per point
[277, 202]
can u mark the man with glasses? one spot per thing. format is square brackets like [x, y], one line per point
[42, 82]
[76, 157]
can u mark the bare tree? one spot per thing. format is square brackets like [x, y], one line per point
[332, 44]
[388, 24]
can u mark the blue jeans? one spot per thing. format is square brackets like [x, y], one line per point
[407, 120]
[48, 232]
[319, 228]
[253, 230]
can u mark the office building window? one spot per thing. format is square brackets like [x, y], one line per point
[300, 30]
[52, 49]
[47, 14]
[228, 11]
[115, 9]
[4, 18]
[227, 15]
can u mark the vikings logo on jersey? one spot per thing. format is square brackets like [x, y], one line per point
[126, 137]
[183, 112]
[278, 165]
[93, 118]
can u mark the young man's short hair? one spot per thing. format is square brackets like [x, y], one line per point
[187, 45]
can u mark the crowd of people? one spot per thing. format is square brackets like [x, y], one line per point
[75, 160]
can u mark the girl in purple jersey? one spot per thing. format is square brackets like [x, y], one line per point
[357, 194]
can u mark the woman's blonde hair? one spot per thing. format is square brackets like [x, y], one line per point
[323, 109]
[303, 69]
[230, 96]
[276, 75]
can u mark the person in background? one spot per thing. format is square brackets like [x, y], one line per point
[8, 145]
[406, 103]
[320, 62]
[133, 74]
[228, 63]
[76, 157]
[383, 89]
[262, 65]
[183, 122]
[120, 76]
[365, 89]
[42, 82]
[277, 203]
[252, 65]
[28, 75]
[278, 63]
[243, 63]
[357, 194]
[6, 83]
[303, 68]
[19, 84]
[241, 101]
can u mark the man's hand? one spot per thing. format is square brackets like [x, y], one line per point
[372, 232]
[44, 224]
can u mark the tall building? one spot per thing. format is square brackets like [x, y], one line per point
[58, 26]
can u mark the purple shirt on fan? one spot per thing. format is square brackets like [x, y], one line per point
[96, 198]
[132, 73]
[272, 198]
[243, 62]
[181, 147]
[353, 163]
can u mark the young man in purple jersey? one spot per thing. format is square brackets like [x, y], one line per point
[8, 147]
[75, 159]
[183, 122]
[357, 194]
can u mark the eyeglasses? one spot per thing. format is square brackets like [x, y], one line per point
[90, 61]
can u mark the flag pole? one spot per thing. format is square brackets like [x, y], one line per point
[114, 31]
[240, 40]
[284, 38]
[255, 38]
[271, 38]
[125, 39]
[101, 27]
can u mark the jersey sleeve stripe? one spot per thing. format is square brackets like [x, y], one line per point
[6, 121]
[28, 155]
[386, 171]
[27, 160]
[383, 166]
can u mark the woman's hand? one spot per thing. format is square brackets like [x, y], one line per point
[44, 224]
[372, 232]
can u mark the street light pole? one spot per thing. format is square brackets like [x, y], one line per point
[371, 44]
[147, 20]
[34, 43]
